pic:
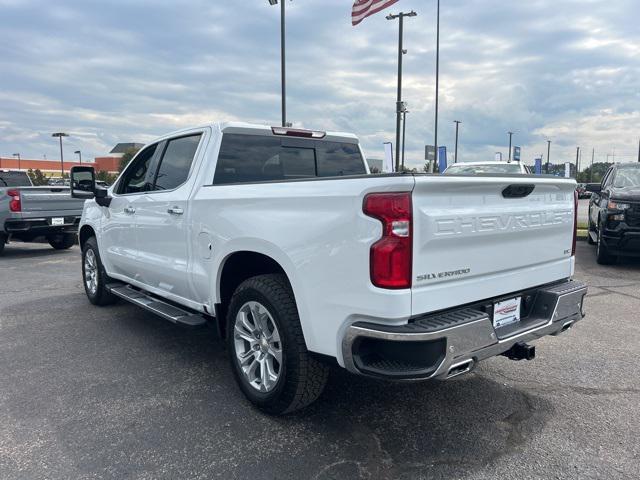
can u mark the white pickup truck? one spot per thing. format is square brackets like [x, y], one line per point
[283, 241]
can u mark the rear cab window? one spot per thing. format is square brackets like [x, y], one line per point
[14, 179]
[257, 158]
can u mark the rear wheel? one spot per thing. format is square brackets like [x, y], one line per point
[3, 240]
[94, 277]
[62, 241]
[267, 351]
[603, 257]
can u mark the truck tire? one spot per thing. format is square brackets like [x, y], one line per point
[94, 277]
[267, 351]
[62, 241]
[3, 240]
[603, 257]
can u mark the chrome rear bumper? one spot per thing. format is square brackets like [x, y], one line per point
[450, 343]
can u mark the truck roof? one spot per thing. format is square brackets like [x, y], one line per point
[258, 129]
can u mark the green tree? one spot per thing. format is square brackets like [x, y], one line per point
[37, 177]
[126, 158]
[599, 169]
[105, 176]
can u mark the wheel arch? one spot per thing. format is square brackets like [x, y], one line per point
[85, 233]
[237, 267]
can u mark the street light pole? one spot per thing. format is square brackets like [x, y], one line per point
[404, 132]
[283, 74]
[59, 135]
[18, 155]
[79, 153]
[435, 130]
[510, 136]
[593, 154]
[401, 52]
[455, 158]
[577, 159]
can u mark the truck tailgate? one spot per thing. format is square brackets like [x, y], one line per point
[473, 242]
[48, 201]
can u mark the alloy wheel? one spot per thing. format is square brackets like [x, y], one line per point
[258, 348]
[91, 271]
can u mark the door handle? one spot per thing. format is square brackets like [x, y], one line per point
[175, 211]
[129, 210]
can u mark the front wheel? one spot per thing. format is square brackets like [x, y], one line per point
[267, 351]
[62, 241]
[94, 277]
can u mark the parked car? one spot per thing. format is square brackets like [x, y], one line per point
[472, 168]
[280, 239]
[581, 188]
[614, 213]
[28, 213]
[58, 182]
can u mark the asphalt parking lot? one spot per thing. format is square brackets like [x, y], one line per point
[115, 392]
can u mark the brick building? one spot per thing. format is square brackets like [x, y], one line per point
[51, 168]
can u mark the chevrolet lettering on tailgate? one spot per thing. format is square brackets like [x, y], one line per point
[494, 223]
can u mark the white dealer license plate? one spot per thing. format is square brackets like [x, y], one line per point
[57, 221]
[506, 312]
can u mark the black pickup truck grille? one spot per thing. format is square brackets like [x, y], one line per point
[633, 215]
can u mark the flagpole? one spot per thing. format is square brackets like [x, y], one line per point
[399, 105]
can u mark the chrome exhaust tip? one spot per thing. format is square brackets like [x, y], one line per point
[460, 368]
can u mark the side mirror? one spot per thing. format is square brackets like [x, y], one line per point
[83, 182]
[594, 187]
[83, 185]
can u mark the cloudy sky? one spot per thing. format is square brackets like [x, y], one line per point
[125, 70]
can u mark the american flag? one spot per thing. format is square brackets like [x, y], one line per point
[364, 8]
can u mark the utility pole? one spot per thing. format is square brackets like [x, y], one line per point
[510, 137]
[404, 132]
[577, 159]
[455, 158]
[59, 135]
[435, 131]
[548, 154]
[400, 16]
[283, 82]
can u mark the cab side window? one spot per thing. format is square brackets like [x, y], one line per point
[134, 178]
[176, 162]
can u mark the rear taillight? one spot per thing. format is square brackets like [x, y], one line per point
[14, 204]
[390, 258]
[575, 223]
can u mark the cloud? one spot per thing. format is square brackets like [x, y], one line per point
[118, 71]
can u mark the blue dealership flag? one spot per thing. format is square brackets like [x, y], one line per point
[516, 154]
[442, 159]
[538, 167]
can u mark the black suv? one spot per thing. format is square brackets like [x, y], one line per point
[614, 213]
